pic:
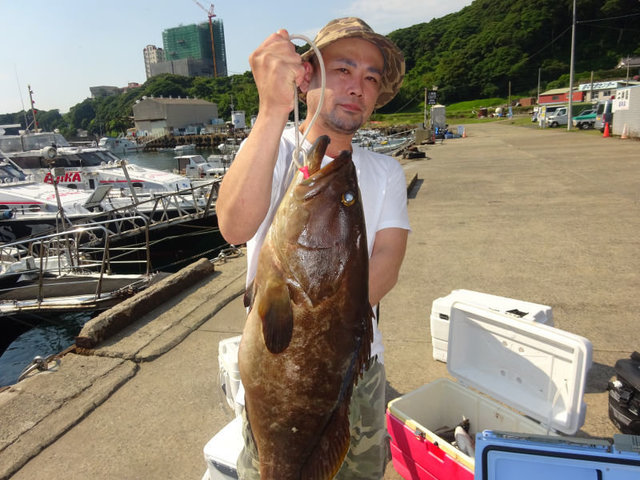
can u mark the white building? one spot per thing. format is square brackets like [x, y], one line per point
[152, 55]
[596, 91]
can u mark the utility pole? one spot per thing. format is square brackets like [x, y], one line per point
[538, 100]
[573, 42]
[627, 84]
[424, 124]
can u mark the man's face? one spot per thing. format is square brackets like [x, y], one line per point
[353, 75]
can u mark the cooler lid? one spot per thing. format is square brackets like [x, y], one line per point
[538, 370]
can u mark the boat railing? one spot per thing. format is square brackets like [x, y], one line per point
[71, 251]
[184, 204]
[95, 240]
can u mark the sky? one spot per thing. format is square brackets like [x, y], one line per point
[61, 48]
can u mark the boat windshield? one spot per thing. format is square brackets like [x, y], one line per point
[31, 141]
[9, 173]
[75, 159]
[10, 144]
[94, 159]
[89, 159]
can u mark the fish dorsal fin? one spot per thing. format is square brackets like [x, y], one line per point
[275, 311]
[326, 458]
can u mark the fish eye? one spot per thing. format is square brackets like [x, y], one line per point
[348, 199]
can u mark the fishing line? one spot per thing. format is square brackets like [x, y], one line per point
[298, 150]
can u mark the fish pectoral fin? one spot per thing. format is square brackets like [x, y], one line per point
[248, 296]
[326, 459]
[277, 317]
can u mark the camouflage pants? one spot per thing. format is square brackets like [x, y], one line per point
[369, 449]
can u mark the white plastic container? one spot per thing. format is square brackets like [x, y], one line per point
[229, 373]
[221, 452]
[532, 378]
[441, 313]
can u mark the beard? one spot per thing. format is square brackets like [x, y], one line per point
[343, 123]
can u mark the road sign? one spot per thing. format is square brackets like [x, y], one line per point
[432, 97]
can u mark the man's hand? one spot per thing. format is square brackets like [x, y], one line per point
[276, 68]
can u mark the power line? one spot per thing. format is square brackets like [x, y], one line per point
[608, 18]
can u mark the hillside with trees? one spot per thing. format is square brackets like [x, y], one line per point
[479, 52]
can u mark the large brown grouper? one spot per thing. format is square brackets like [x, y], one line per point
[308, 333]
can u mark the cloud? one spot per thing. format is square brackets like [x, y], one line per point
[385, 16]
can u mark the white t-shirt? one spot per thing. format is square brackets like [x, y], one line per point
[384, 199]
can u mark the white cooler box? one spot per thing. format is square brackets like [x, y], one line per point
[229, 373]
[441, 313]
[221, 452]
[537, 370]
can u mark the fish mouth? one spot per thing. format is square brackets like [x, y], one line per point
[316, 154]
[316, 181]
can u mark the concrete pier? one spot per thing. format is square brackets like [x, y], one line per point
[545, 216]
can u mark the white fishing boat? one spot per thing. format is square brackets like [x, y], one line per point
[54, 273]
[49, 155]
[28, 207]
[196, 167]
[178, 218]
[381, 143]
[190, 147]
[120, 145]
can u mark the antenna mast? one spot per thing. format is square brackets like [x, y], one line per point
[33, 110]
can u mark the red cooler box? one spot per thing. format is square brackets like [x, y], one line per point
[499, 360]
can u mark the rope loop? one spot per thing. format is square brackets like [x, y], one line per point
[296, 120]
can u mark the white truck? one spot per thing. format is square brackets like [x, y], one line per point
[558, 117]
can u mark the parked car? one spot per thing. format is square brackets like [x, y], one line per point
[585, 119]
[604, 114]
[558, 117]
[543, 112]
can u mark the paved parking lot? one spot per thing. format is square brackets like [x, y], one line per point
[549, 217]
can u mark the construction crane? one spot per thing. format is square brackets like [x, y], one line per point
[210, 14]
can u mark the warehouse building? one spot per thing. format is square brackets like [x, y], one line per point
[157, 116]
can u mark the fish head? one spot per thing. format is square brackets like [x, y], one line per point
[321, 224]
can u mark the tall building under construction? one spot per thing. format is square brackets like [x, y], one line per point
[192, 50]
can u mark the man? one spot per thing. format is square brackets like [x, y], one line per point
[364, 70]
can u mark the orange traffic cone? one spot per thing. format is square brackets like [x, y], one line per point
[625, 132]
[606, 130]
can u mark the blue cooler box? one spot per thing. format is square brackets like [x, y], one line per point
[506, 456]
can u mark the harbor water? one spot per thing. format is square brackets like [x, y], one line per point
[27, 336]
[31, 335]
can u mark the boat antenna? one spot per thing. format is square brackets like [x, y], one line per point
[24, 112]
[33, 110]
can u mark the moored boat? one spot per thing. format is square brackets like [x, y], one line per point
[120, 145]
[56, 273]
[48, 155]
[196, 167]
[189, 147]
[28, 208]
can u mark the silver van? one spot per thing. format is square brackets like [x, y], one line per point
[604, 114]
